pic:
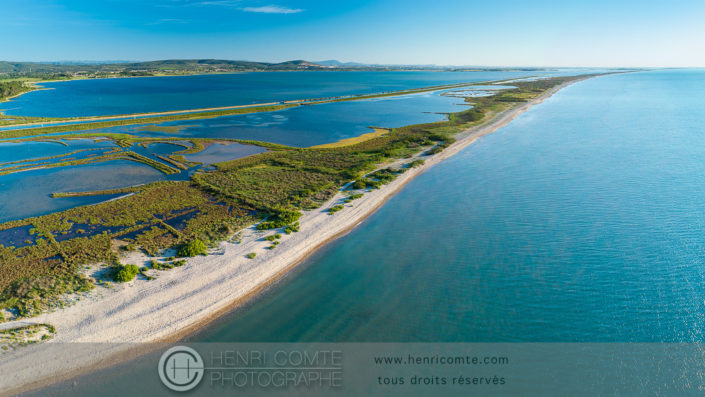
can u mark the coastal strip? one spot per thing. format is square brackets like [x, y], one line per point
[95, 330]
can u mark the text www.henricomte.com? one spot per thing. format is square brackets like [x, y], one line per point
[441, 360]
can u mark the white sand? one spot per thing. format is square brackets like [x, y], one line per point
[184, 298]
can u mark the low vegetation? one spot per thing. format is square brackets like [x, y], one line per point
[332, 210]
[11, 88]
[192, 248]
[293, 228]
[125, 273]
[352, 197]
[271, 188]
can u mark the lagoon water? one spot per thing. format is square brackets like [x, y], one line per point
[581, 221]
[306, 126]
[27, 193]
[154, 94]
[301, 127]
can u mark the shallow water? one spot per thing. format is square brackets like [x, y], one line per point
[25, 194]
[581, 221]
[317, 124]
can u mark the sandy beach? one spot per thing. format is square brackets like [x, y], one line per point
[109, 322]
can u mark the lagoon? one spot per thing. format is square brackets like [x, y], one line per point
[101, 97]
[311, 125]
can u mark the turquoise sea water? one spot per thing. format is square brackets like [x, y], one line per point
[581, 221]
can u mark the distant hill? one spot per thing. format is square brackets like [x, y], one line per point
[334, 63]
[97, 69]
[169, 66]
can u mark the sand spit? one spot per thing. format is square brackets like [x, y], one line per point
[109, 321]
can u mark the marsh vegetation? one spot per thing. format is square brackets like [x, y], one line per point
[271, 188]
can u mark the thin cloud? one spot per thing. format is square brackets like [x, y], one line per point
[272, 10]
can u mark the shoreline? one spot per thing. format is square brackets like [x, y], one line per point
[181, 301]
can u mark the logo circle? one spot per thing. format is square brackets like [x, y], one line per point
[181, 368]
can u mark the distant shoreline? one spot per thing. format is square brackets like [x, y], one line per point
[40, 81]
[182, 301]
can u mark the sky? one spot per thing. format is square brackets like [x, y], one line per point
[596, 33]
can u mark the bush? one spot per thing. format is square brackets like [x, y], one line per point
[270, 238]
[352, 197]
[434, 150]
[280, 219]
[143, 272]
[416, 163]
[334, 209]
[126, 273]
[293, 228]
[373, 184]
[359, 185]
[192, 248]
[251, 255]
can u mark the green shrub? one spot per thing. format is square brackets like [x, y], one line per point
[293, 228]
[353, 197]
[434, 150]
[416, 163]
[373, 184]
[126, 273]
[359, 184]
[143, 272]
[251, 255]
[180, 263]
[280, 219]
[334, 209]
[192, 248]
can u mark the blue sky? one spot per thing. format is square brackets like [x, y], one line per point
[447, 32]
